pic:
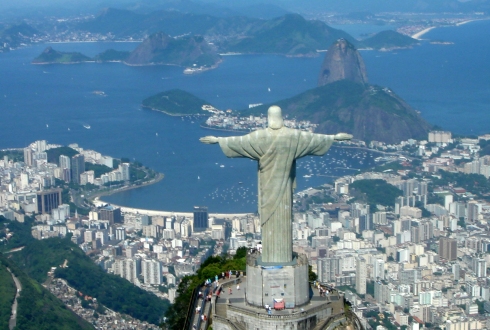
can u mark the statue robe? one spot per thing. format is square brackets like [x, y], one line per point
[276, 152]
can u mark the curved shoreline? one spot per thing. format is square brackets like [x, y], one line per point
[96, 196]
[419, 34]
[96, 199]
[174, 114]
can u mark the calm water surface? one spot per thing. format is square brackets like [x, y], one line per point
[448, 83]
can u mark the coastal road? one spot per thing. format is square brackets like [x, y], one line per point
[13, 316]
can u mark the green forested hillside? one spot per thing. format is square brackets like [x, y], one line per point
[175, 102]
[84, 275]
[375, 192]
[176, 314]
[37, 308]
[49, 55]
[111, 55]
[289, 35]
[388, 39]
[368, 112]
[38, 256]
[55, 153]
[7, 295]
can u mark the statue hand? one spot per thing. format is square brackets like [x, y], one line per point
[209, 139]
[342, 137]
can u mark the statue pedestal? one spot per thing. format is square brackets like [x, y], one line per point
[266, 282]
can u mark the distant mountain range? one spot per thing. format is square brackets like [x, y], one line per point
[289, 34]
[225, 8]
[13, 36]
[188, 51]
[374, 6]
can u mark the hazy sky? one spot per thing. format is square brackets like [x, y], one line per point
[16, 7]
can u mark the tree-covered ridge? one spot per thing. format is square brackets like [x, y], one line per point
[97, 168]
[112, 55]
[374, 192]
[38, 308]
[175, 102]
[49, 55]
[7, 295]
[176, 314]
[160, 48]
[388, 39]
[84, 275]
[13, 36]
[367, 112]
[55, 153]
[20, 233]
[474, 183]
[290, 34]
[14, 155]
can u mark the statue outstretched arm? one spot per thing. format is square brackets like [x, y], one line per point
[209, 139]
[342, 137]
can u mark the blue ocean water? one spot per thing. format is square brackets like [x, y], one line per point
[448, 84]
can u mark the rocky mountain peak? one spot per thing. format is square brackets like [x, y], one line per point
[342, 61]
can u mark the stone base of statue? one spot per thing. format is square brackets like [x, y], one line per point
[271, 282]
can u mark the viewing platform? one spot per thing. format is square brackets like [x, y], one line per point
[230, 311]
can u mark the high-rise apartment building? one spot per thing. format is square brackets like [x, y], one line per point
[28, 156]
[120, 234]
[124, 169]
[378, 269]
[48, 200]
[200, 218]
[77, 167]
[448, 248]
[65, 166]
[41, 145]
[152, 271]
[111, 213]
[361, 275]
[328, 269]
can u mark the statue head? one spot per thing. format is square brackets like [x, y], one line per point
[274, 117]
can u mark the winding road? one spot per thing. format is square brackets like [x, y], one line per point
[13, 317]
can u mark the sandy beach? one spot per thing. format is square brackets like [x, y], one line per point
[99, 202]
[421, 33]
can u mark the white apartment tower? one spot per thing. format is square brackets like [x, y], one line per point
[361, 276]
[152, 272]
[378, 269]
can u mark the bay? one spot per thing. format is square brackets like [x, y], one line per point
[43, 102]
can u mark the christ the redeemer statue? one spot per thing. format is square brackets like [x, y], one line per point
[276, 149]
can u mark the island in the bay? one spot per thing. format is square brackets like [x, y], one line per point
[191, 52]
[176, 102]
